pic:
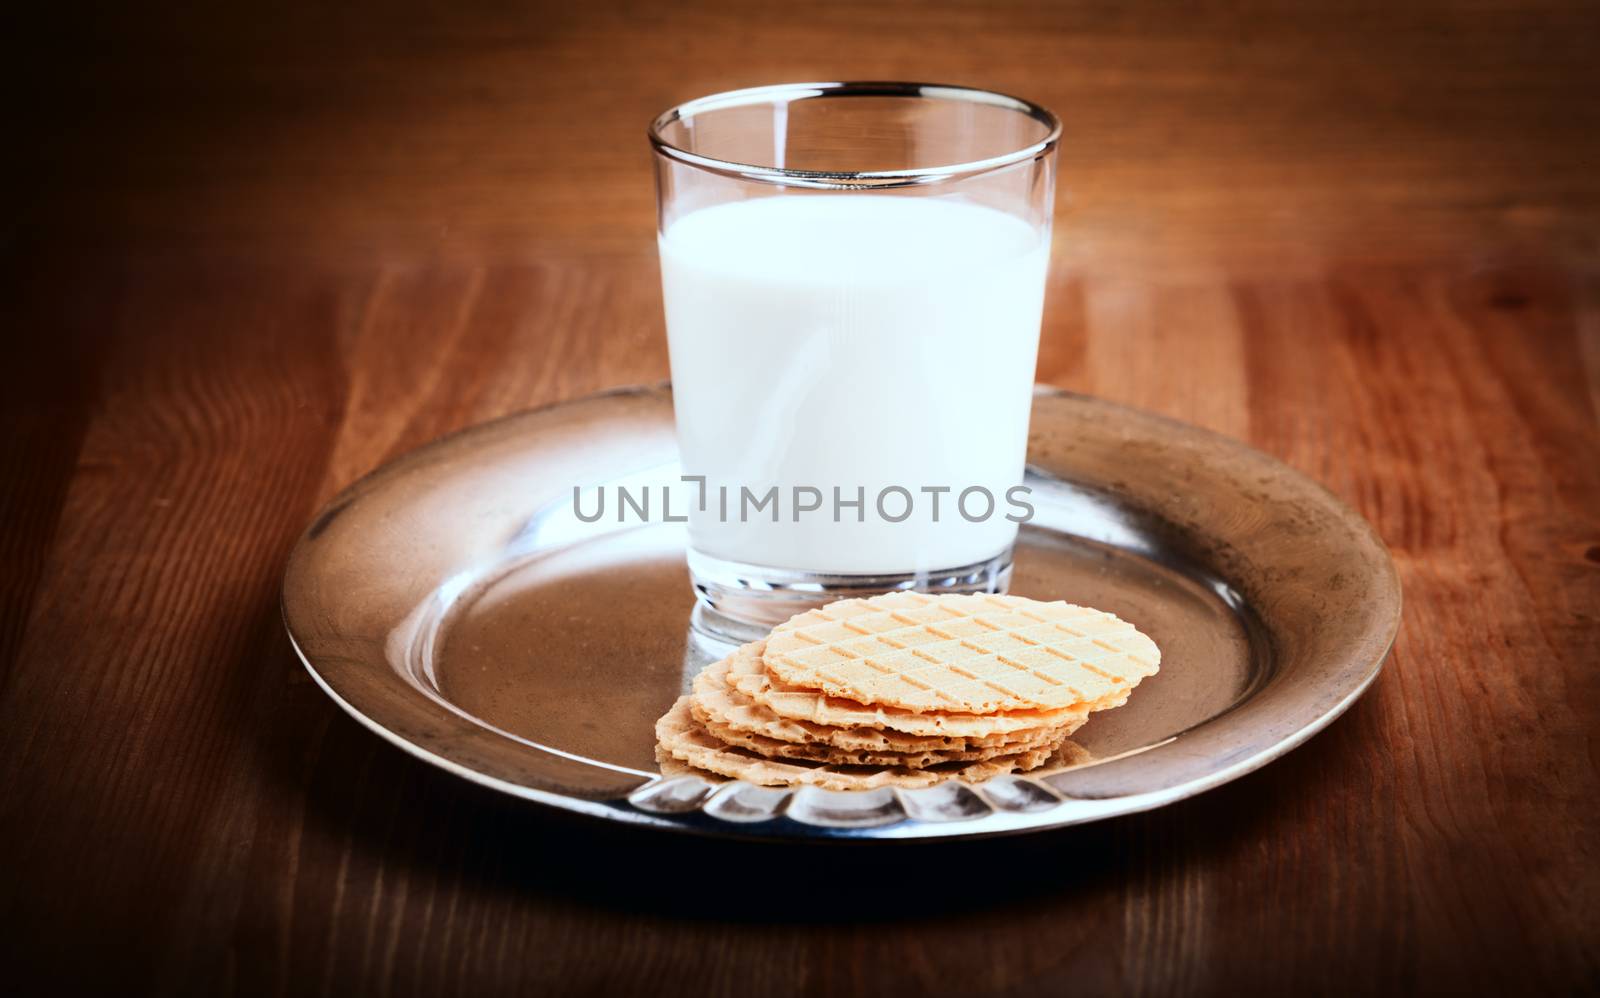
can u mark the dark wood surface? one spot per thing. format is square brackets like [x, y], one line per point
[250, 253]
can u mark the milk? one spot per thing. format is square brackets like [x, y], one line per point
[856, 341]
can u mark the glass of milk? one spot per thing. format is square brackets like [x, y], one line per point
[853, 276]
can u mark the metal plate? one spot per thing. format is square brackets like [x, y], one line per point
[452, 603]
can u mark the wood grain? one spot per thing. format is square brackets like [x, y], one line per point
[254, 252]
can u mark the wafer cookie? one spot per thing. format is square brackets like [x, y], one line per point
[680, 738]
[774, 748]
[716, 702]
[970, 654]
[750, 677]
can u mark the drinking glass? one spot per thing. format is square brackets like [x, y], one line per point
[853, 276]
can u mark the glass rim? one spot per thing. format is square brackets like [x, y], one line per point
[854, 178]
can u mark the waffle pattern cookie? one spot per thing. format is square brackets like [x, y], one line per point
[680, 740]
[816, 707]
[717, 699]
[971, 654]
[905, 690]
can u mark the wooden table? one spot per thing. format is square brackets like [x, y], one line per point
[250, 254]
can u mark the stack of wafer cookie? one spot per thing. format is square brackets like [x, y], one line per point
[905, 690]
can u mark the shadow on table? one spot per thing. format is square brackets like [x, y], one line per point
[439, 828]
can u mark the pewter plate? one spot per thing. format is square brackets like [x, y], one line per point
[452, 603]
